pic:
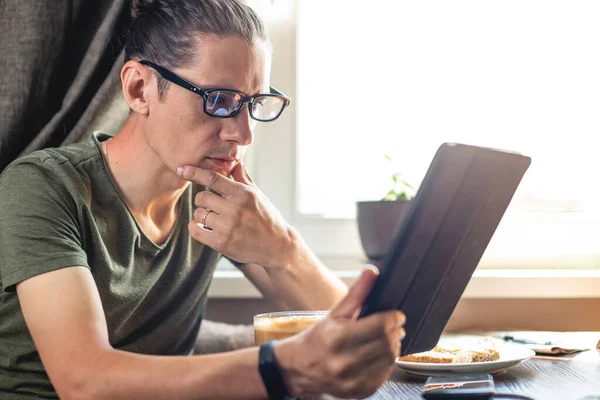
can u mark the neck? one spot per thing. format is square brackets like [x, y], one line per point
[148, 187]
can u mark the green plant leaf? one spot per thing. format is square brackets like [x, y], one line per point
[408, 185]
[401, 189]
[390, 196]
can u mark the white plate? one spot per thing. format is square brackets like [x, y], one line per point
[510, 355]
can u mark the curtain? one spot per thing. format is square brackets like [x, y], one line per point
[59, 72]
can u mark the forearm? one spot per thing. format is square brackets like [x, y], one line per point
[304, 282]
[218, 337]
[115, 374]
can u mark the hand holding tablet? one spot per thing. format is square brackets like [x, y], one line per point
[443, 236]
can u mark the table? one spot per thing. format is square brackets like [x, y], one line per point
[541, 378]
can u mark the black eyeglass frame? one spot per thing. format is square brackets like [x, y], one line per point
[179, 81]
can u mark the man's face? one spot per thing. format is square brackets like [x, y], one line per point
[177, 128]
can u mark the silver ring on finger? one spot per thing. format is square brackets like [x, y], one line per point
[203, 220]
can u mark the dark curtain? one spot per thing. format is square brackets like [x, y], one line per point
[59, 72]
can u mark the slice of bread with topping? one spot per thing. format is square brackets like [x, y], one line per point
[433, 356]
[482, 351]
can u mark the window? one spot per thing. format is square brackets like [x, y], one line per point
[399, 78]
[550, 113]
[521, 75]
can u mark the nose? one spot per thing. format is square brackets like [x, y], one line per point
[239, 129]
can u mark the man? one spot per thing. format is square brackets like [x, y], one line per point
[104, 277]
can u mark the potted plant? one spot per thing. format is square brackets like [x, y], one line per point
[377, 220]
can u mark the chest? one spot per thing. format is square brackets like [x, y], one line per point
[157, 230]
[151, 299]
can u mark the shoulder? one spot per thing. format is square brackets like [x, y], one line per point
[49, 166]
[27, 171]
[52, 175]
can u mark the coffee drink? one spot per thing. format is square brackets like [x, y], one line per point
[280, 325]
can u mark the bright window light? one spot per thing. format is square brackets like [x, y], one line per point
[399, 78]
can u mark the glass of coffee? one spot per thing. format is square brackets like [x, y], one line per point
[280, 325]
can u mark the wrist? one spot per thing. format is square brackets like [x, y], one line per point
[270, 372]
[285, 353]
[295, 253]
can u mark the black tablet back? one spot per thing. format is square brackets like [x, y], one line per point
[442, 237]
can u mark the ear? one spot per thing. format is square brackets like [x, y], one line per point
[137, 83]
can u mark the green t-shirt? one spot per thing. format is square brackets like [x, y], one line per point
[60, 207]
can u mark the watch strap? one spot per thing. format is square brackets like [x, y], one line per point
[270, 372]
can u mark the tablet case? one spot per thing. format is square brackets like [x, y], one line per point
[442, 238]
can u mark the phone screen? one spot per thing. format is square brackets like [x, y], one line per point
[472, 386]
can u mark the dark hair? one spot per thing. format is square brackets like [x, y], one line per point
[166, 31]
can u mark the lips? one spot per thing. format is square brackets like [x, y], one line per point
[226, 159]
[227, 163]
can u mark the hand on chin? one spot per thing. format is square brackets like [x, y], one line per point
[236, 219]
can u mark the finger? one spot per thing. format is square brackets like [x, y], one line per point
[240, 174]
[206, 217]
[200, 235]
[373, 373]
[213, 202]
[348, 307]
[363, 376]
[373, 327]
[386, 346]
[209, 179]
[380, 365]
[210, 237]
[372, 361]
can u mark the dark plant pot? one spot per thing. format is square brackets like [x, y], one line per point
[377, 222]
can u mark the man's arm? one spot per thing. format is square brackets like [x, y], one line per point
[64, 314]
[293, 279]
[303, 282]
[218, 337]
[339, 355]
[246, 227]
[262, 281]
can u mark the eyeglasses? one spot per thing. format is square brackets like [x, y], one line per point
[226, 103]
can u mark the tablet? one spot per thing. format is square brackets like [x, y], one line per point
[443, 236]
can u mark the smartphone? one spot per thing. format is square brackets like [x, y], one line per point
[459, 386]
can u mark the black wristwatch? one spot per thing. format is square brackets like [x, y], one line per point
[270, 373]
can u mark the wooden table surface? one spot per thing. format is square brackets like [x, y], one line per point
[541, 378]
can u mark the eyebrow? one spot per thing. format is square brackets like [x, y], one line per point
[229, 87]
[226, 86]
[175, 75]
[223, 87]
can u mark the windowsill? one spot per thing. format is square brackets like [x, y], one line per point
[486, 283]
